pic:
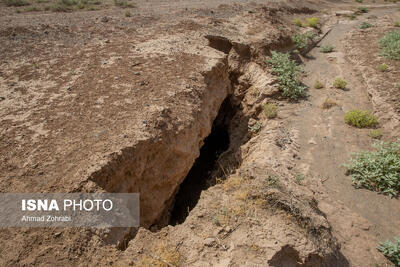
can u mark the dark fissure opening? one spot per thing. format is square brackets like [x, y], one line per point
[200, 176]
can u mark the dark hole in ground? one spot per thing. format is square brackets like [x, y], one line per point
[200, 177]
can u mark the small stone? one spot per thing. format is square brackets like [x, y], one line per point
[57, 234]
[104, 19]
[144, 121]
[312, 141]
[209, 242]
[137, 73]
[68, 88]
[2, 98]
[344, 13]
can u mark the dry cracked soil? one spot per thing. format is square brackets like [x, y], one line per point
[166, 98]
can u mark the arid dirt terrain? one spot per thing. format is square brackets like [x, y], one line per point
[166, 98]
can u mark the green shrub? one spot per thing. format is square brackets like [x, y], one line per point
[127, 13]
[16, 2]
[359, 1]
[256, 127]
[287, 71]
[377, 170]
[397, 24]
[383, 67]
[318, 85]
[302, 40]
[360, 119]
[339, 83]
[298, 22]
[366, 25]
[271, 110]
[363, 9]
[299, 178]
[375, 134]
[390, 45]
[327, 48]
[391, 250]
[312, 22]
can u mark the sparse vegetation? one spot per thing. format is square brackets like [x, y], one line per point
[328, 103]
[271, 110]
[71, 5]
[391, 250]
[16, 3]
[123, 3]
[352, 16]
[318, 85]
[327, 48]
[383, 67]
[272, 181]
[377, 170]
[397, 24]
[63, 6]
[375, 134]
[127, 13]
[32, 9]
[299, 178]
[339, 83]
[287, 71]
[164, 255]
[360, 118]
[312, 22]
[298, 22]
[301, 40]
[256, 127]
[363, 9]
[359, 1]
[366, 25]
[390, 45]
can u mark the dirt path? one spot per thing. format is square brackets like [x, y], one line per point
[326, 142]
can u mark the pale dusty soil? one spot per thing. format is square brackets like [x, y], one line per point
[123, 105]
[326, 142]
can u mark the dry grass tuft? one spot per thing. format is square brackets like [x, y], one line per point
[165, 255]
[328, 103]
